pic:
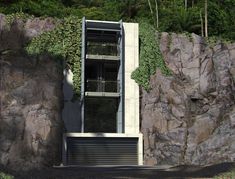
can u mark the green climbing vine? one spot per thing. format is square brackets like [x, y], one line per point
[10, 18]
[213, 40]
[63, 41]
[150, 56]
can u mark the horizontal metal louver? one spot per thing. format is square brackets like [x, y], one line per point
[102, 151]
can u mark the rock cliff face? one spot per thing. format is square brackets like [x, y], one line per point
[30, 99]
[189, 118]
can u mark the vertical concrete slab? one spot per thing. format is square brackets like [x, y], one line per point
[71, 110]
[132, 126]
[131, 88]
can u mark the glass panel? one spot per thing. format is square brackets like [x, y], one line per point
[102, 77]
[111, 86]
[101, 114]
[110, 71]
[91, 71]
[99, 48]
[102, 86]
[92, 74]
[92, 85]
[110, 77]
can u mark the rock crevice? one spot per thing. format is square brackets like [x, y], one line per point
[190, 113]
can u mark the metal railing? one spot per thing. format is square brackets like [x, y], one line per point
[102, 86]
[95, 48]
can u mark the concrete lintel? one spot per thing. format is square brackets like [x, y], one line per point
[75, 134]
[103, 57]
[102, 94]
[106, 22]
[100, 29]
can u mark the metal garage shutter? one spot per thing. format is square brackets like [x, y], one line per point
[102, 151]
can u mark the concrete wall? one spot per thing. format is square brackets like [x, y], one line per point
[71, 111]
[131, 31]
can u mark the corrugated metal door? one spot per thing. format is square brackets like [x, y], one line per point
[102, 151]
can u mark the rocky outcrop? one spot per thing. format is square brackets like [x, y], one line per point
[30, 99]
[189, 117]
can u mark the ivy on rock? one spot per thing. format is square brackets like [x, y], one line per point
[63, 41]
[10, 18]
[150, 56]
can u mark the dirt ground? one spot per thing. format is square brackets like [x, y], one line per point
[126, 172]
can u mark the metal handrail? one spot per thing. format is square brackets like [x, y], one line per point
[102, 49]
[102, 85]
[117, 81]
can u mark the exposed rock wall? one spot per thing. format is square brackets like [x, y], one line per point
[30, 99]
[189, 118]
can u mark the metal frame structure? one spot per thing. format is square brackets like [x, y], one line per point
[125, 145]
[105, 26]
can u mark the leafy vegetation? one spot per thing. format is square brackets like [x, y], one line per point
[167, 15]
[213, 40]
[214, 18]
[19, 15]
[63, 41]
[5, 176]
[150, 56]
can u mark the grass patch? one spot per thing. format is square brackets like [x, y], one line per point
[5, 176]
[226, 175]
